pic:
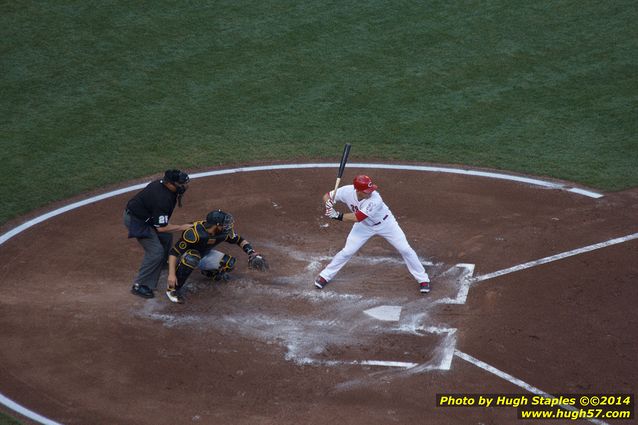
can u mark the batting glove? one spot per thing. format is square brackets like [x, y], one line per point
[331, 213]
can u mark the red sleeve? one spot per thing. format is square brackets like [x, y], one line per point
[360, 216]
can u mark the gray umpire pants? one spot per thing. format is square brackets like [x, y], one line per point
[156, 249]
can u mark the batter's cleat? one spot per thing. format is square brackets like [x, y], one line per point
[175, 296]
[424, 287]
[320, 282]
[142, 291]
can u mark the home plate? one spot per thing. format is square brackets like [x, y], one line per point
[387, 313]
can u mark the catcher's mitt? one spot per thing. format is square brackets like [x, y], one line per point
[258, 262]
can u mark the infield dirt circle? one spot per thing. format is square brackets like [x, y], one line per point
[79, 348]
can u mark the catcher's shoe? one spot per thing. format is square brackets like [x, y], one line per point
[175, 296]
[142, 291]
[424, 287]
[320, 282]
[216, 275]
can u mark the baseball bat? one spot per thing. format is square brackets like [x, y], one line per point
[342, 166]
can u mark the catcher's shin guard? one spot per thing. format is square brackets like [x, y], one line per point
[187, 263]
[216, 265]
[227, 263]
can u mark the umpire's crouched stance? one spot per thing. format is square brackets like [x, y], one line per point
[195, 249]
[147, 218]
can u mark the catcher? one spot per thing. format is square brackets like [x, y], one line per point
[195, 249]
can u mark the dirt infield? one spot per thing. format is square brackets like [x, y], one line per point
[78, 348]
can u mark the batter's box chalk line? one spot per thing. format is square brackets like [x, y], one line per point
[453, 283]
[515, 381]
[405, 318]
[345, 319]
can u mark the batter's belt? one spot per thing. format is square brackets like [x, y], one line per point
[382, 220]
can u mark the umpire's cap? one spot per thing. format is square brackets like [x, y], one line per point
[176, 176]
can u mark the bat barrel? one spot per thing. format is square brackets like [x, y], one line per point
[344, 159]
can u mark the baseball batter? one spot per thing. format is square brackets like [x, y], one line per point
[372, 217]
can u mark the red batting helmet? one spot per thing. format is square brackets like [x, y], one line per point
[364, 184]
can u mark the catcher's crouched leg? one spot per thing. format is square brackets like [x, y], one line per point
[216, 265]
[187, 263]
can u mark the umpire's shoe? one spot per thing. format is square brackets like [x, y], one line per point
[175, 296]
[320, 282]
[142, 291]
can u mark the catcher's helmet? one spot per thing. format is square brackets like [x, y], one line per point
[220, 218]
[176, 176]
[363, 183]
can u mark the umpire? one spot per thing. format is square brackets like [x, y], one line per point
[147, 218]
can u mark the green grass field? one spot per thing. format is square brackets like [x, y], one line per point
[98, 92]
[7, 420]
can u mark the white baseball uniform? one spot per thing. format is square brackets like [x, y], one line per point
[375, 219]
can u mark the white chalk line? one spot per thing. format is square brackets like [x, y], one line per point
[314, 260]
[467, 172]
[298, 349]
[27, 225]
[535, 182]
[524, 266]
[381, 363]
[299, 352]
[464, 280]
[521, 384]
[442, 362]
[552, 258]
[26, 412]
[445, 352]
[21, 228]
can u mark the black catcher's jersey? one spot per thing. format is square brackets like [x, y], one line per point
[197, 238]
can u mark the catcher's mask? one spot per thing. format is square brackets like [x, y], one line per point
[178, 178]
[220, 218]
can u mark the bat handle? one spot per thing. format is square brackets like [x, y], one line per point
[334, 192]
